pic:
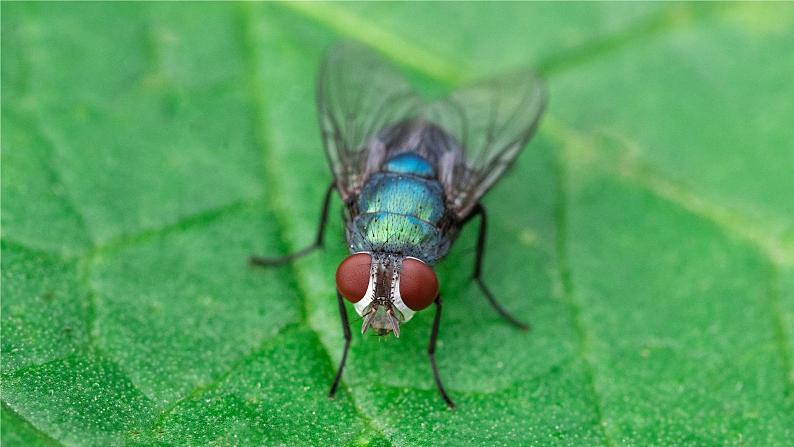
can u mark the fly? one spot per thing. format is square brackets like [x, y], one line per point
[411, 174]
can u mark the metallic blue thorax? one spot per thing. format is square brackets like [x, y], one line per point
[399, 211]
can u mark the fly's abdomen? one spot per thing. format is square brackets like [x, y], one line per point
[399, 211]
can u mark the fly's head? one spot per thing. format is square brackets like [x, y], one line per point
[386, 289]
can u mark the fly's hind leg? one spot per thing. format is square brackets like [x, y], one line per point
[318, 242]
[479, 210]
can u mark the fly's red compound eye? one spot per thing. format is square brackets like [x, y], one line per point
[352, 276]
[418, 284]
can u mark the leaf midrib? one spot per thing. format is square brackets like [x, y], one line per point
[257, 89]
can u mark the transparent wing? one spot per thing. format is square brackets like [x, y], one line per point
[359, 94]
[488, 124]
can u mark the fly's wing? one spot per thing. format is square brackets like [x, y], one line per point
[359, 94]
[487, 124]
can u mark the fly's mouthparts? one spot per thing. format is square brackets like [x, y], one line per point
[369, 318]
[395, 323]
[383, 319]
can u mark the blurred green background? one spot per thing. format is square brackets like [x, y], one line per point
[647, 232]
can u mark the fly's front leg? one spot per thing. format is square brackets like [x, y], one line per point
[346, 331]
[431, 352]
[479, 210]
[318, 242]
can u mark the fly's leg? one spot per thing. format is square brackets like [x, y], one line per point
[479, 210]
[346, 330]
[431, 352]
[318, 242]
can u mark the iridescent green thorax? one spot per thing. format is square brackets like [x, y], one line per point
[403, 194]
[400, 209]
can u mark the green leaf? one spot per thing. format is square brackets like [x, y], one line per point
[647, 233]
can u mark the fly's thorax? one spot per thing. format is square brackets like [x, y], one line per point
[403, 193]
[400, 211]
[396, 233]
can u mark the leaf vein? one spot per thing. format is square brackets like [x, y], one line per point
[57, 176]
[566, 278]
[8, 408]
[205, 388]
[666, 20]
[777, 253]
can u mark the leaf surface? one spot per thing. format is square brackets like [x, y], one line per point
[646, 233]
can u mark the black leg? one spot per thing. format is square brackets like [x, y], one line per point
[318, 242]
[479, 210]
[346, 330]
[431, 352]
